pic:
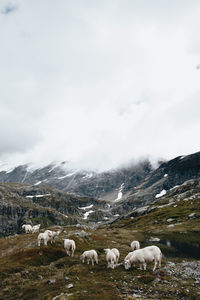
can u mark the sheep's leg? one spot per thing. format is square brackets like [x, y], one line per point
[140, 267]
[159, 263]
[145, 266]
[96, 260]
[155, 265]
[88, 261]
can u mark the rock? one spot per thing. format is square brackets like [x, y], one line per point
[66, 278]
[51, 281]
[69, 286]
[192, 215]
[154, 239]
[170, 226]
[170, 220]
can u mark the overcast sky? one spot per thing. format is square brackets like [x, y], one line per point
[99, 83]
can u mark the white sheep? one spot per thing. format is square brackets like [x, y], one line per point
[55, 234]
[117, 254]
[36, 228]
[69, 245]
[135, 245]
[128, 256]
[28, 228]
[45, 236]
[143, 256]
[90, 255]
[110, 258]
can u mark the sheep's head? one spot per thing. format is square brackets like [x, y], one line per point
[127, 264]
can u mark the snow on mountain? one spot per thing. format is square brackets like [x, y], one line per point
[87, 214]
[120, 194]
[162, 193]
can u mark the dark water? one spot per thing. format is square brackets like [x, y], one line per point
[181, 249]
[180, 244]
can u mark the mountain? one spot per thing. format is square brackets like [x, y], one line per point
[57, 195]
[161, 181]
[110, 185]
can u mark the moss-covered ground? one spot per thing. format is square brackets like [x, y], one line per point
[30, 272]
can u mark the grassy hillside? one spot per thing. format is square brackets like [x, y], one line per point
[30, 272]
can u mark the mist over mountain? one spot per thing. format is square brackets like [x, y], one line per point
[105, 196]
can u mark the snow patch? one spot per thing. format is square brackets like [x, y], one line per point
[38, 182]
[71, 174]
[174, 187]
[120, 194]
[38, 196]
[87, 207]
[162, 193]
[62, 177]
[165, 175]
[87, 214]
[8, 168]
[89, 175]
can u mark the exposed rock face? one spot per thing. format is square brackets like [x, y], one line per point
[104, 185]
[161, 181]
[21, 204]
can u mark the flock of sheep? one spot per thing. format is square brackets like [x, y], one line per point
[136, 256]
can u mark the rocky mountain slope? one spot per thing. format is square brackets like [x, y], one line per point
[161, 181]
[109, 185]
[22, 203]
[121, 192]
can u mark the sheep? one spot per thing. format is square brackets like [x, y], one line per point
[90, 255]
[45, 236]
[128, 256]
[144, 255]
[28, 228]
[54, 235]
[117, 254]
[69, 245]
[36, 228]
[135, 245]
[110, 258]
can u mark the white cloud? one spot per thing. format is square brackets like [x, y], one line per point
[99, 83]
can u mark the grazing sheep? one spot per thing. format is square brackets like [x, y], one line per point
[110, 258]
[69, 245]
[90, 255]
[117, 254]
[45, 236]
[36, 228]
[144, 255]
[54, 235]
[135, 245]
[28, 228]
[128, 255]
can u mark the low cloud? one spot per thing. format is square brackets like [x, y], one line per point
[99, 84]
